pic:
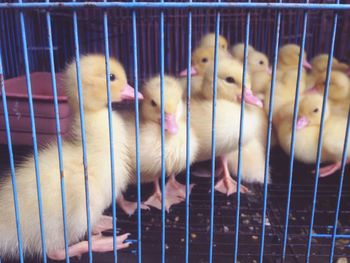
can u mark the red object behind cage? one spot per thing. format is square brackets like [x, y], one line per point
[43, 101]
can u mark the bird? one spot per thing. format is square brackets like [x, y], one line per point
[260, 72]
[237, 51]
[93, 80]
[288, 58]
[208, 40]
[150, 140]
[307, 133]
[319, 66]
[253, 153]
[284, 93]
[338, 91]
[229, 89]
[201, 58]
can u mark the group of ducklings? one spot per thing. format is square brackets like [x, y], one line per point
[227, 126]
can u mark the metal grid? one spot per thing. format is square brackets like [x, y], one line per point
[160, 12]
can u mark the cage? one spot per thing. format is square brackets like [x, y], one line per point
[297, 217]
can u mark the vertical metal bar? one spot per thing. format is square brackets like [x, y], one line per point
[12, 163]
[111, 140]
[188, 132]
[137, 135]
[213, 135]
[241, 126]
[161, 61]
[268, 139]
[32, 123]
[343, 164]
[58, 132]
[295, 114]
[83, 134]
[6, 27]
[320, 137]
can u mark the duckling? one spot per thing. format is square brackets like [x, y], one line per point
[260, 72]
[338, 91]
[306, 140]
[209, 41]
[201, 58]
[253, 154]
[93, 78]
[320, 62]
[150, 140]
[229, 88]
[285, 88]
[237, 51]
[319, 65]
[288, 58]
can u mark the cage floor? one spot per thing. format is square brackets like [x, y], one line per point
[250, 220]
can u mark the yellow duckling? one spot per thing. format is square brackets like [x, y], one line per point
[260, 72]
[338, 91]
[319, 66]
[93, 78]
[201, 58]
[229, 89]
[209, 41]
[288, 58]
[253, 153]
[150, 140]
[237, 51]
[308, 125]
[284, 94]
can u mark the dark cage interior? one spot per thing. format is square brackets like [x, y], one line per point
[232, 26]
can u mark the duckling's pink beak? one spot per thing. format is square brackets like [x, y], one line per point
[312, 90]
[306, 64]
[269, 70]
[184, 73]
[170, 124]
[128, 93]
[302, 122]
[249, 98]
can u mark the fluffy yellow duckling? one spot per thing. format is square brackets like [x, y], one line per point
[319, 66]
[201, 58]
[308, 125]
[237, 51]
[338, 91]
[99, 171]
[229, 88]
[209, 41]
[253, 153]
[284, 94]
[260, 72]
[288, 58]
[175, 140]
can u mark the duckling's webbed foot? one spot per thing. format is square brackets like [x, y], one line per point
[129, 207]
[175, 192]
[329, 169]
[174, 188]
[226, 184]
[155, 199]
[100, 243]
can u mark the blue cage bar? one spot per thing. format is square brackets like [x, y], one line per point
[152, 38]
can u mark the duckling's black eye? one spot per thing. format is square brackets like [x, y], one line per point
[223, 46]
[261, 62]
[153, 103]
[204, 60]
[112, 77]
[230, 80]
[315, 110]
